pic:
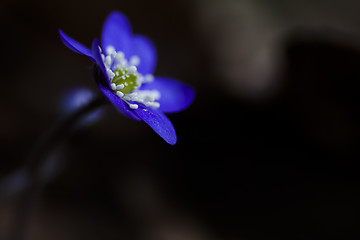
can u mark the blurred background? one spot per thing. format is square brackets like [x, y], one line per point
[268, 150]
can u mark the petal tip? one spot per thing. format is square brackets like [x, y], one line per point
[159, 123]
[117, 32]
[74, 45]
[171, 141]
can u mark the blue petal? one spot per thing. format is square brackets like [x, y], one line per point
[174, 95]
[159, 123]
[117, 33]
[117, 102]
[143, 47]
[105, 90]
[75, 45]
[97, 55]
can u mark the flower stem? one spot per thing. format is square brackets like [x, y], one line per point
[27, 201]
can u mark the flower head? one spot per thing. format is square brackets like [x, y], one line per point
[126, 64]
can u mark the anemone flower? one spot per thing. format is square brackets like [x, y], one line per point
[125, 66]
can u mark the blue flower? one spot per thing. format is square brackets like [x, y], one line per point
[126, 64]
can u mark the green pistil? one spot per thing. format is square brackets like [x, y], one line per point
[130, 82]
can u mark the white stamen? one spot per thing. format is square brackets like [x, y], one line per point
[127, 98]
[113, 54]
[134, 60]
[152, 104]
[148, 78]
[108, 61]
[156, 104]
[120, 86]
[113, 86]
[132, 70]
[139, 79]
[149, 98]
[146, 97]
[119, 94]
[149, 95]
[123, 63]
[110, 73]
[119, 56]
[109, 50]
[133, 106]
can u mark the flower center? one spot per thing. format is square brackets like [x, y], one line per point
[126, 80]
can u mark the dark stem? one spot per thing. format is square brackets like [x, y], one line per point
[34, 161]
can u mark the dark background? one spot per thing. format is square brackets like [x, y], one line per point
[268, 150]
